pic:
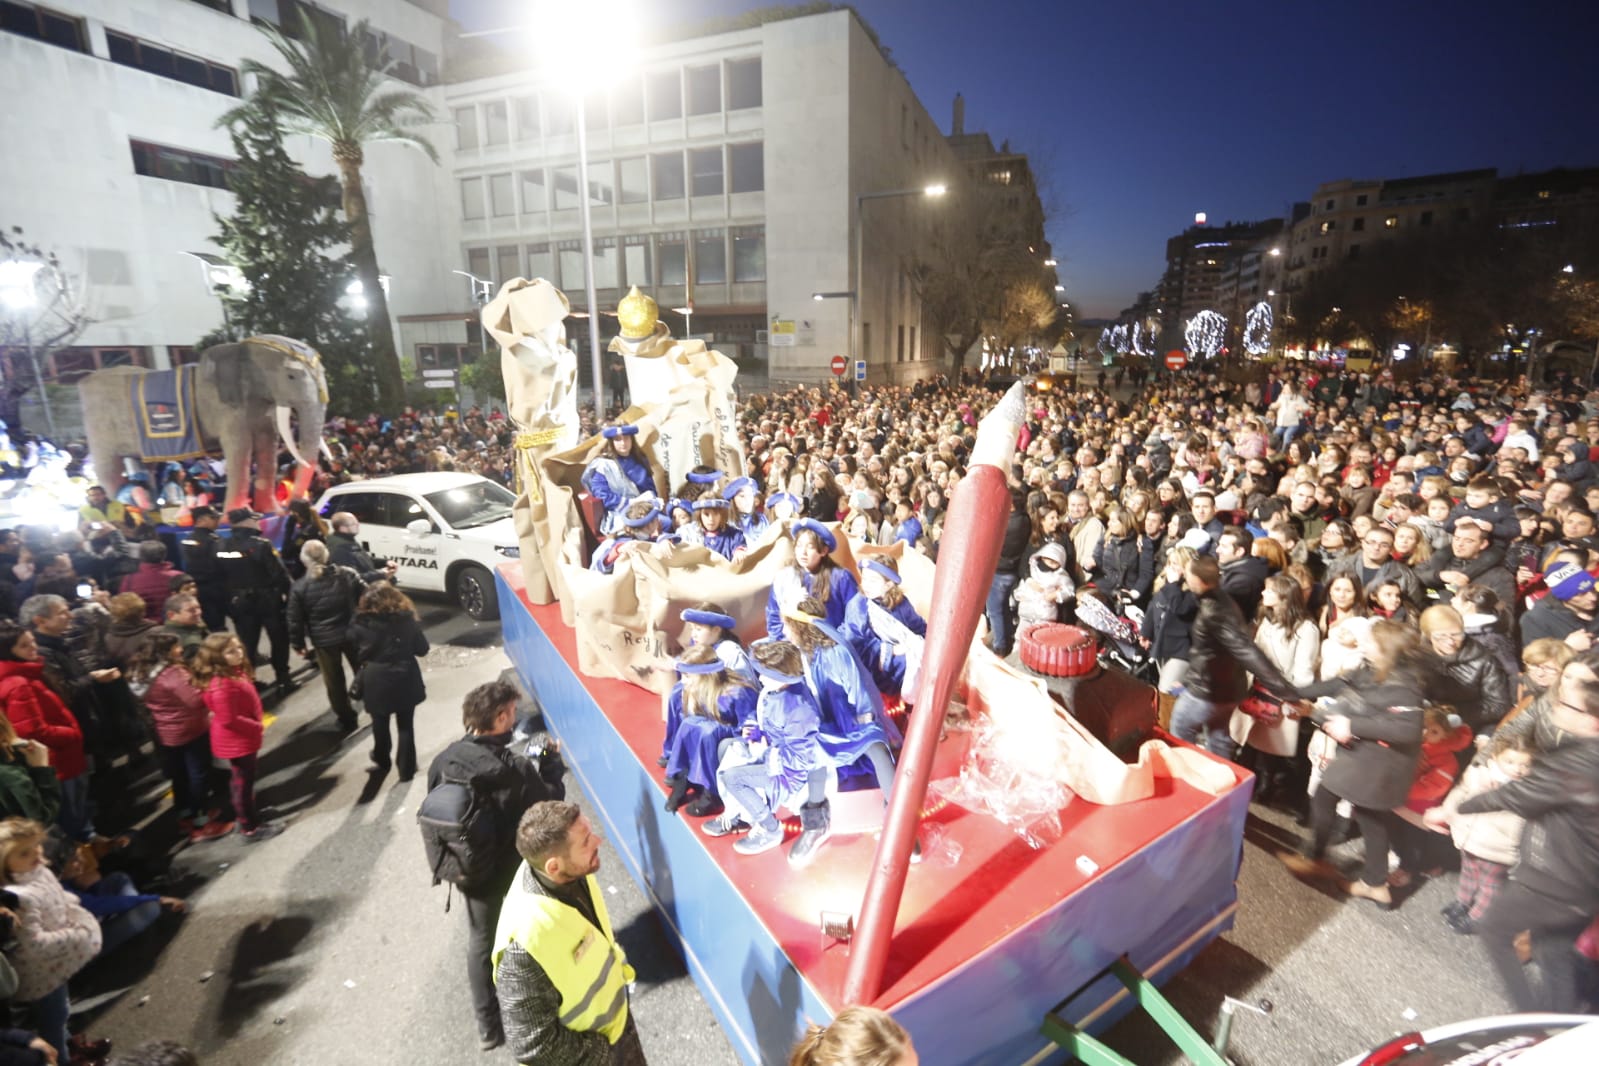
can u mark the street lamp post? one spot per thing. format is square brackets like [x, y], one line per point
[858, 280]
[588, 254]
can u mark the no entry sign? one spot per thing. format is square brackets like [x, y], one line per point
[1176, 360]
[839, 366]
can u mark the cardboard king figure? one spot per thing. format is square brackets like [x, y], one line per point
[687, 390]
[527, 318]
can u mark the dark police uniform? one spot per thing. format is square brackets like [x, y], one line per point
[200, 562]
[257, 585]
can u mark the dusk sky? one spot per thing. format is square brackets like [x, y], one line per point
[1138, 113]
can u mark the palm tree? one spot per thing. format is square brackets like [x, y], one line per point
[336, 89]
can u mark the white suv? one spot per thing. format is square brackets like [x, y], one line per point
[446, 531]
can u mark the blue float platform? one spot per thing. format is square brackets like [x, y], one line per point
[983, 947]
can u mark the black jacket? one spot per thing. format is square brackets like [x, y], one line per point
[1476, 684]
[1560, 842]
[512, 782]
[1488, 569]
[1168, 624]
[1550, 617]
[1244, 580]
[1120, 567]
[323, 607]
[344, 551]
[251, 567]
[387, 647]
[199, 550]
[1013, 550]
[1224, 655]
[1377, 767]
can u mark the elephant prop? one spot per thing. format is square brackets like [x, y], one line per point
[240, 397]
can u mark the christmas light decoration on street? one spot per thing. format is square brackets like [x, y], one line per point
[1104, 341]
[1205, 333]
[1144, 340]
[1257, 329]
[1118, 339]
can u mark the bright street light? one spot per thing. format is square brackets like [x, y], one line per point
[1276, 251]
[566, 38]
[1060, 288]
[19, 294]
[1051, 262]
[17, 284]
[1568, 269]
[934, 190]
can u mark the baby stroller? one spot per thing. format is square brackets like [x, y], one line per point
[1121, 645]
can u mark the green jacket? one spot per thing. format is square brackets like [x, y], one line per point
[28, 791]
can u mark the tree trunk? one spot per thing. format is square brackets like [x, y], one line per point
[380, 334]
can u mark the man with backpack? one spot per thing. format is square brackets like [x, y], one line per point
[478, 789]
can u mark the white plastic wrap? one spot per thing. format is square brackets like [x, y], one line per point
[1013, 773]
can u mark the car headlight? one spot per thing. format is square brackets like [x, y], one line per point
[512, 552]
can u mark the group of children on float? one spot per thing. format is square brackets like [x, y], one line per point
[708, 510]
[750, 731]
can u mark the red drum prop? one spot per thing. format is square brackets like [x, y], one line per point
[1055, 649]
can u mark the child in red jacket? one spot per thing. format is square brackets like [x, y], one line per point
[1443, 735]
[221, 669]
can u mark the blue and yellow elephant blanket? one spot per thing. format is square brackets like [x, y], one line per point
[163, 408]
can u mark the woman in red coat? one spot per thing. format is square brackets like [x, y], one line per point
[222, 671]
[182, 733]
[38, 714]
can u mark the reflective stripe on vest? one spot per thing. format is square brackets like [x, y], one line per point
[583, 963]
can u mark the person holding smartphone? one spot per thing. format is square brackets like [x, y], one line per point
[28, 785]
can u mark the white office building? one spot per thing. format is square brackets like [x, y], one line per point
[723, 170]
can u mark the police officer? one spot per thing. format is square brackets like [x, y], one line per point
[200, 562]
[257, 585]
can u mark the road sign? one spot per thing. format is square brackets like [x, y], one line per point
[860, 370]
[439, 383]
[446, 373]
[1176, 359]
[839, 366]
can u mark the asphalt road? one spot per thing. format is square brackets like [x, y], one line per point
[327, 945]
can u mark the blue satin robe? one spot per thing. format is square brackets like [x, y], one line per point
[888, 669]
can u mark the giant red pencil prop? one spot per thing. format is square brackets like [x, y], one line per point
[974, 528]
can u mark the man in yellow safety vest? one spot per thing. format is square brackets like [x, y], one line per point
[559, 974]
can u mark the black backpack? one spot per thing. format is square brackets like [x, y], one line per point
[460, 832]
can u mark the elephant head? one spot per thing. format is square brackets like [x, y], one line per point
[265, 382]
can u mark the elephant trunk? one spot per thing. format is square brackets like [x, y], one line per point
[302, 445]
[290, 441]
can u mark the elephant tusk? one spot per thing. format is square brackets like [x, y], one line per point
[286, 432]
[327, 452]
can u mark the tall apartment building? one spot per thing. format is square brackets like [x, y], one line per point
[723, 169]
[1347, 218]
[1198, 262]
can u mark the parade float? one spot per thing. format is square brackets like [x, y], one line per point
[1052, 864]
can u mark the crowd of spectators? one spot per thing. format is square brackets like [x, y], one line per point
[1415, 556]
[1427, 544]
